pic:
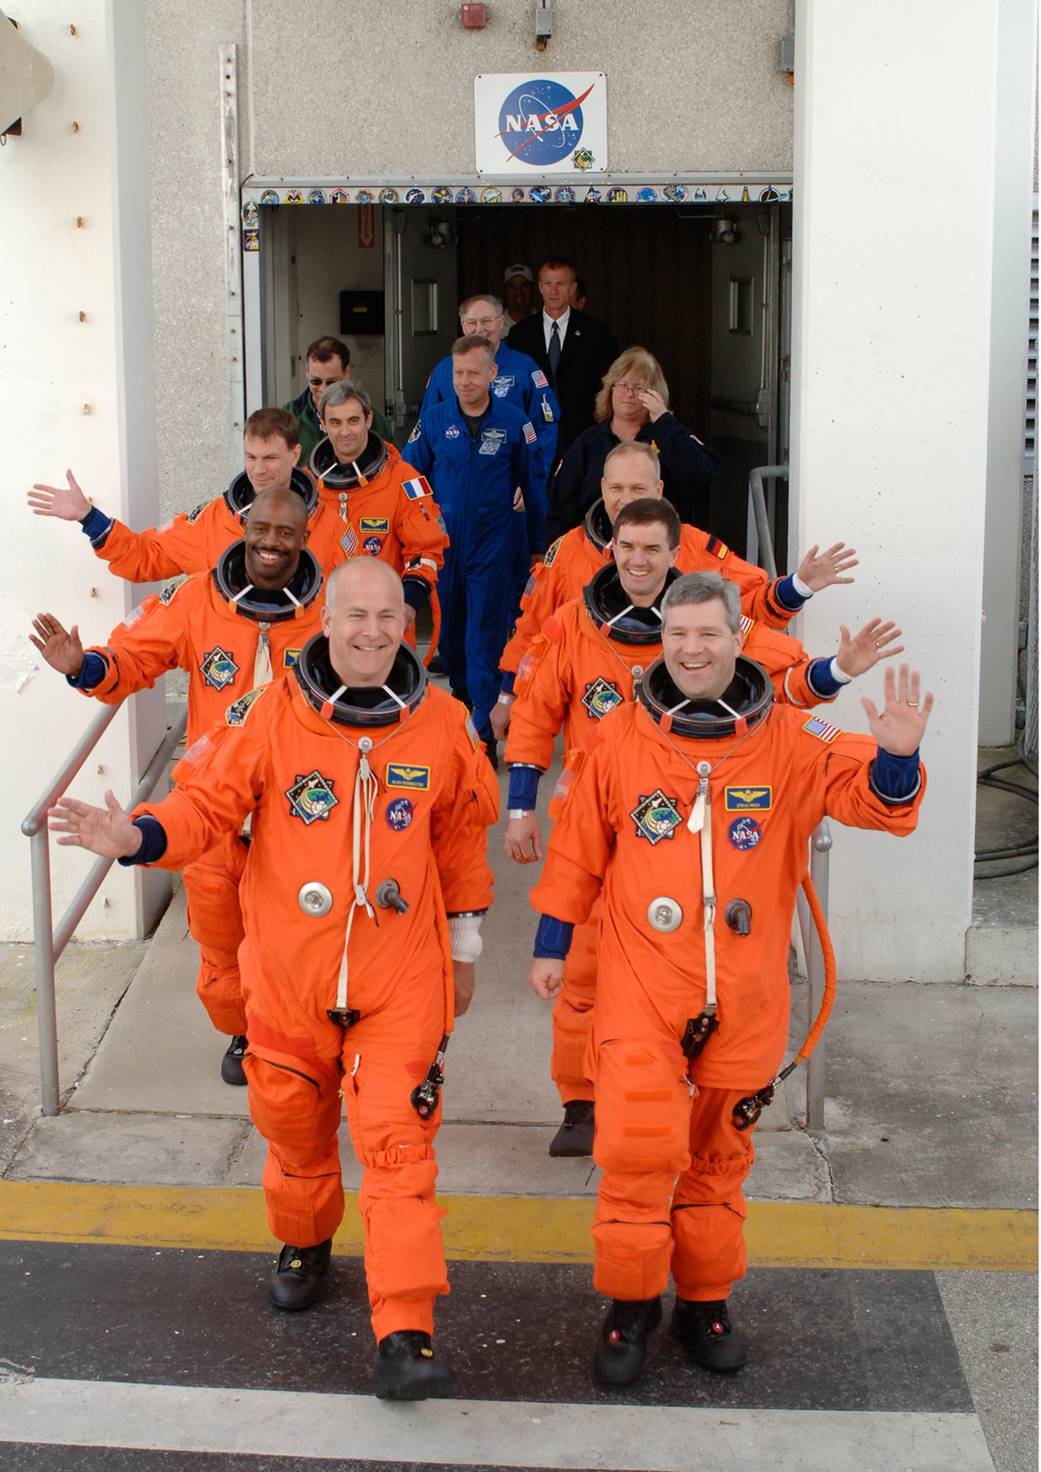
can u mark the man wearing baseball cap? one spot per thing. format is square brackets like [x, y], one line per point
[518, 292]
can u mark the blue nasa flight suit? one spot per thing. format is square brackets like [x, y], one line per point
[474, 480]
[521, 382]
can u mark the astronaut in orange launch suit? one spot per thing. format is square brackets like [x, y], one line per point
[690, 818]
[231, 629]
[362, 898]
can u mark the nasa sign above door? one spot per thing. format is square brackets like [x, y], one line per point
[541, 123]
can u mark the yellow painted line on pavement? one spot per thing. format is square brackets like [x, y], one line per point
[527, 1228]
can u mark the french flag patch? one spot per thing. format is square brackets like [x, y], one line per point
[529, 433]
[539, 379]
[416, 489]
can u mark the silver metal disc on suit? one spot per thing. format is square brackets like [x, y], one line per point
[314, 899]
[664, 914]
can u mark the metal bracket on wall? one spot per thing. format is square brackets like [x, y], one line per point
[233, 352]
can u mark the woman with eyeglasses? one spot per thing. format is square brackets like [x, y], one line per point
[633, 404]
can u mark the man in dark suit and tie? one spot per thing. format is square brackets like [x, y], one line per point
[573, 349]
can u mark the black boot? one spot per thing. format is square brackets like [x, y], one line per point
[575, 1136]
[298, 1275]
[706, 1334]
[622, 1347]
[407, 1370]
[231, 1069]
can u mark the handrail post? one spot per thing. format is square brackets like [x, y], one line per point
[820, 864]
[43, 958]
[760, 538]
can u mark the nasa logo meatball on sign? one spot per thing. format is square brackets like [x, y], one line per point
[541, 123]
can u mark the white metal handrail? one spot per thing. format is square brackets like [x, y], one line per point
[49, 943]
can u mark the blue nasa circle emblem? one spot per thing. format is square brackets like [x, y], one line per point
[399, 814]
[744, 833]
[373, 546]
[540, 122]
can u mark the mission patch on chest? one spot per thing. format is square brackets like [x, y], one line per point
[656, 817]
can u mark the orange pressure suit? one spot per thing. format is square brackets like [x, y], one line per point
[194, 540]
[384, 508]
[345, 799]
[579, 669]
[229, 644]
[580, 553]
[624, 833]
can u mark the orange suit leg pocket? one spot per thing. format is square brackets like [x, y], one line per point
[295, 1104]
[708, 1212]
[404, 1253]
[643, 1105]
[573, 1015]
[215, 920]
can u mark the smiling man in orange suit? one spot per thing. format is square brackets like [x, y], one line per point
[691, 817]
[193, 541]
[362, 898]
[231, 629]
[632, 473]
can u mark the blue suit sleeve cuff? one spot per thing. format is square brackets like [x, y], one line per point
[553, 938]
[821, 679]
[153, 842]
[509, 679]
[91, 672]
[96, 525]
[895, 779]
[788, 595]
[524, 787]
[417, 593]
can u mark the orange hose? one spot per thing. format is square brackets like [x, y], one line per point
[828, 952]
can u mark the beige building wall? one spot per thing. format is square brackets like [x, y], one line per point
[386, 90]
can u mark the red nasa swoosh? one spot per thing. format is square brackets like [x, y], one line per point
[555, 112]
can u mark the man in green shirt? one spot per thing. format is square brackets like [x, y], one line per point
[328, 360]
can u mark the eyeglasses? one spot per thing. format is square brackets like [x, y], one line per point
[479, 321]
[631, 388]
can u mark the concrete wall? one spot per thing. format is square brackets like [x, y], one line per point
[76, 393]
[183, 81]
[892, 347]
[387, 90]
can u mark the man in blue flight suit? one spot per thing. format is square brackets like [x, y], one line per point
[521, 382]
[477, 449]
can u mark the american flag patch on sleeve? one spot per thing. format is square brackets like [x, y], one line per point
[529, 433]
[349, 541]
[539, 379]
[416, 489]
[823, 730]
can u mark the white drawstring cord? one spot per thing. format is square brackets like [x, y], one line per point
[365, 789]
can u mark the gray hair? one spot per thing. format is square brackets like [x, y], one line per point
[341, 392]
[703, 587]
[482, 296]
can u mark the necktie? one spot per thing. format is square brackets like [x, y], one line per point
[554, 354]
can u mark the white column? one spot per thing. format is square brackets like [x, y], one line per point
[894, 225]
[1010, 307]
[77, 391]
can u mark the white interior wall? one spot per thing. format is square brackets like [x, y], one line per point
[891, 365]
[80, 394]
[328, 259]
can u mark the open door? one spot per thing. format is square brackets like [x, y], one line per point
[421, 318]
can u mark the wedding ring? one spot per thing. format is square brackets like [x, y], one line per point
[913, 704]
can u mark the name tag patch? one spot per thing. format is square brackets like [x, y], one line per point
[375, 524]
[412, 779]
[748, 799]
